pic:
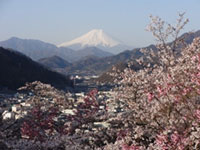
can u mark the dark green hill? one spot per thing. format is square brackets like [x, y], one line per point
[16, 69]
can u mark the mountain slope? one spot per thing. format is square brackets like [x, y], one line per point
[83, 66]
[17, 69]
[33, 48]
[188, 37]
[54, 62]
[96, 38]
[94, 65]
[92, 51]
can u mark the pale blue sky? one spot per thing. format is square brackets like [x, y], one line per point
[57, 21]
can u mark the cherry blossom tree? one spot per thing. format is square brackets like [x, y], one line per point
[163, 98]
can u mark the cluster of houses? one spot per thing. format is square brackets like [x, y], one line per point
[14, 107]
[11, 105]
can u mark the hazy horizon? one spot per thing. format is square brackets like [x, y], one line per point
[60, 21]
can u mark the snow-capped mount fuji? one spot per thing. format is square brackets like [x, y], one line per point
[96, 38]
[93, 38]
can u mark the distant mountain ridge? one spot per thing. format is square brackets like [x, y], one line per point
[37, 49]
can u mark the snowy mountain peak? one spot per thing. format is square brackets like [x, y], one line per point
[95, 37]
